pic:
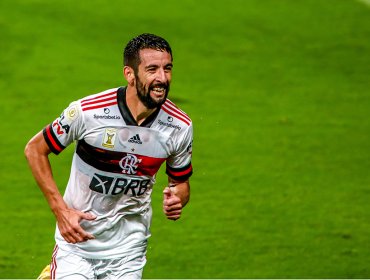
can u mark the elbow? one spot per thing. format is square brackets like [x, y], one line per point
[28, 150]
[36, 146]
[32, 147]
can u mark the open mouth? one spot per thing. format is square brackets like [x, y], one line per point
[159, 91]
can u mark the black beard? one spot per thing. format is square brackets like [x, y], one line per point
[145, 97]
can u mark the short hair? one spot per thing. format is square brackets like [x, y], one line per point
[131, 53]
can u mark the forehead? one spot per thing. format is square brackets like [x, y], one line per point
[150, 56]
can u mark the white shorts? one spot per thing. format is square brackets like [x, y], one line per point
[67, 265]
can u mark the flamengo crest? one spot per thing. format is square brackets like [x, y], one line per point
[129, 164]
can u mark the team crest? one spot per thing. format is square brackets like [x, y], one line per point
[109, 137]
[129, 164]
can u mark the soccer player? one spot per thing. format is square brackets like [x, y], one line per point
[122, 136]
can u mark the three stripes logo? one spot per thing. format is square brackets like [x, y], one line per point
[135, 139]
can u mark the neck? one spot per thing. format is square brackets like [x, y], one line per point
[136, 107]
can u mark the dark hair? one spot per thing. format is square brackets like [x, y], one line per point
[131, 56]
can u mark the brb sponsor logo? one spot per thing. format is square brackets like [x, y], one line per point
[128, 186]
[114, 186]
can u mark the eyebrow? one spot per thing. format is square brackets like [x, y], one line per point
[156, 65]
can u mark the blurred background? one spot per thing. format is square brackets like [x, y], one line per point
[279, 94]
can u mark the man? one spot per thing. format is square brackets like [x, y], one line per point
[122, 135]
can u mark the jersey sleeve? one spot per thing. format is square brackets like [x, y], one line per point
[178, 165]
[65, 129]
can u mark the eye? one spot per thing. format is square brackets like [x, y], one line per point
[168, 68]
[151, 69]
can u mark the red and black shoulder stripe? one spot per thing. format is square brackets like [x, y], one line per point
[180, 174]
[52, 140]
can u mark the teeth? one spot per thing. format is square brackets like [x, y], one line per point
[159, 89]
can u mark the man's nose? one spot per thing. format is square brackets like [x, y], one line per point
[161, 76]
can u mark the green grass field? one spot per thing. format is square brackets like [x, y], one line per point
[279, 93]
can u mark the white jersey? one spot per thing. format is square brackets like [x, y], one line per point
[114, 168]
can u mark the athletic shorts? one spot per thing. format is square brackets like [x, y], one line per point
[67, 265]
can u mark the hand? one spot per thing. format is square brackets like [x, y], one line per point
[68, 221]
[172, 206]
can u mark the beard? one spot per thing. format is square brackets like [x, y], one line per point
[144, 94]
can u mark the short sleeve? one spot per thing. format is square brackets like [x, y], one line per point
[179, 165]
[65, 129]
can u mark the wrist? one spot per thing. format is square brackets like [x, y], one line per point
[57, 205]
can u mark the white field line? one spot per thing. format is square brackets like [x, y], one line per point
[366, 2]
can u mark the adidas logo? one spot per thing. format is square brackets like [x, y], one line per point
[135, 139]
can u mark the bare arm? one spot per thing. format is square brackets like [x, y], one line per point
[176, 196]
[37, 154]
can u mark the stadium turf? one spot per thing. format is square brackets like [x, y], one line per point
[279, 95]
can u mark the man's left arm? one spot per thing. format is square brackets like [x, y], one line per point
[175, 197]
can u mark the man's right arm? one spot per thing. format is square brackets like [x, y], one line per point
[37, 153]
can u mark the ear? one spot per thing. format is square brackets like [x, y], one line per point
[129, 74]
